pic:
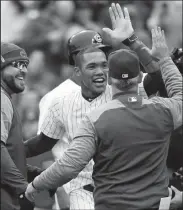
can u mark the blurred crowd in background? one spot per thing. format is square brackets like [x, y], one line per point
[43, 28]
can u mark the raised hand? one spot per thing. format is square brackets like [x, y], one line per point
[159, 45]
[121, 24]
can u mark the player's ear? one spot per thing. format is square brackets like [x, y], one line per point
[77, 71]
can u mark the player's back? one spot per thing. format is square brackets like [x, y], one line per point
[133, 139]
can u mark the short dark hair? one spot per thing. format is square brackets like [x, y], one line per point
[123, 84]
[79, 55]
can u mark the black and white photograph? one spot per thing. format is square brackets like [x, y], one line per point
[91, 105]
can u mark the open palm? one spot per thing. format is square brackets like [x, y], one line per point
[121, 24]
[159, 45]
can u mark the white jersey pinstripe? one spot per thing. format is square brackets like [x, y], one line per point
[65, 88]
[65, 114]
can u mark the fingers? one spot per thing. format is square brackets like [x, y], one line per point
[126, 13]
[115, 12]
[164, 39]
[158, 37]
[113, 20]
[120, 12]
[159, 31]
[153, 37]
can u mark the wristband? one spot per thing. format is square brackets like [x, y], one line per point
[130, 40]
[34, 186]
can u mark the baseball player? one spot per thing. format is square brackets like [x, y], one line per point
[67, 102]
[124, 160]
[15, 172]
[76, 43]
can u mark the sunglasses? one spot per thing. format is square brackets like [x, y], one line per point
[20, 64]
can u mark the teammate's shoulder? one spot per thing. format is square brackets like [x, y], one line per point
[5, 101]
[96, 113]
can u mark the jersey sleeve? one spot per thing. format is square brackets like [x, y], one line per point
[73, 160]
[173, 83]
[6, 117]
[52, 125]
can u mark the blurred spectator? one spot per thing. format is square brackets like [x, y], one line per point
[10, 18]
[168, 15]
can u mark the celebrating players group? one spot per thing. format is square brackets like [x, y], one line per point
[110, 138]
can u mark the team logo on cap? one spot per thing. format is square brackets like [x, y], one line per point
[124, 76]
[2, 59]
[132, 99]
[97, 39]
[23, 54]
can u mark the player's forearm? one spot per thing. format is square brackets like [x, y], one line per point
[147, 60]
[172, 78]
[10, 175]
[173, 83]
[56, 175]
[38, 145]
[69, 166]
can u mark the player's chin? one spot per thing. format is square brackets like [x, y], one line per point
[19, 88]
[99, 89]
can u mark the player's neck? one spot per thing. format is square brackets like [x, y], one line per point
[131, 90]
[88, 95]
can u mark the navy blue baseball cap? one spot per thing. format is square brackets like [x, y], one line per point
[11, 52]
[123, 64]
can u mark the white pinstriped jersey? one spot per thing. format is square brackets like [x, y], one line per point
[65, 88]
[65, 114]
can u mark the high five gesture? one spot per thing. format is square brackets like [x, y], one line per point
[121, 24]
[159, 45]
